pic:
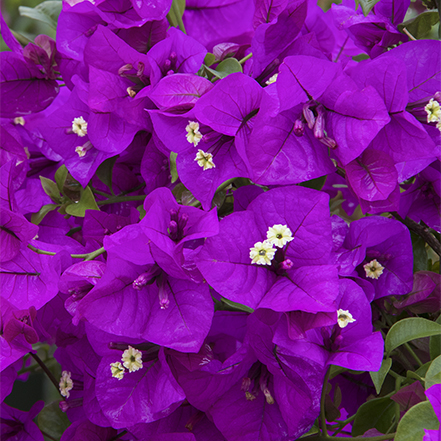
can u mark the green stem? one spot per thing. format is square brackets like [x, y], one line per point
[398, 382]
[322, 403]
[343, 424]
[247, 57]
[119, 435]
[117, 199]
[221, 187]
[87, 256]
[101, 193]
[412, 353]
[46, 370]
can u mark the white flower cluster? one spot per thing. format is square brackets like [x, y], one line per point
[132, 361]
[262, 253]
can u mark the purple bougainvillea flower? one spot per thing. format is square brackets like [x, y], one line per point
[350, 343]
[297, 278]
[178, 53]
[425, 295]
[380, 250]
[433, 394]
[18, 425]
[179, 92]
[422, 199]
[30, 279]
[15, 231]
[173, 230]
[141, 396]
[143, 302]
[219, 21]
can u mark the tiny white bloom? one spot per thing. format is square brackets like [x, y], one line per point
[344, 318]
[81, 151]
[279, 235]
[79, 126]
[66, 384]
[433, 111]
[132, 359]
[204, 160]
[193, 133]
[117, 370]
[131, 92]
[272, 80]
[262, 253]
[19, 120]
[373, 269]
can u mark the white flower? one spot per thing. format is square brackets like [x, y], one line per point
[132, 359]
[344, 318]
[262, 253]
[193, 133]
[279, 235]
[19, 120]
[79, 126]
[83, 149]
[66, 384]
[373, 269]
[204, 160]
[117, 370]
[272, 80]
[433, 111]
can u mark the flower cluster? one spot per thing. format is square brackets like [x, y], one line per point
[206, 211]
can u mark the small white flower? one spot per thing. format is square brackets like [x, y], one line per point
[79, 126]
[262, 253]
[204, 160]
[66, 384]
[344, 318]
[117, 370]
[132, 359]
[279, 235]
[193, 133]
[83, 149]
[272, 80]
[433, 111]
[19, 120]
[131, 92]
[373, 269]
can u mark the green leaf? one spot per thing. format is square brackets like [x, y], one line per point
[53, 420]
[377, 413]
[435, 343]
[50, 188]
[415, 420]
[47, 12]
[60, 177]
[228, 66]
[433, 375]
[86, 202]
[379, 377]
[209, 59]
[105, 170]
[419, 253]
[142, 212]
[238, 306]
[171, 16]
[367, 5]
[173, 169]
[421, 25]
[410, 329]
[315, 184]
[36, 218]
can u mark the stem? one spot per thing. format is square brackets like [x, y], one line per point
[101, 193]
[89, 256]
[397, 405]
[38, 251]
[31, 368]
[367, 438]
[344, 424]
[412, 353]
[423, 232]
[47, 435]
[117, 199]
[46, 370]
[409, 34]
[247, 57]
[322, 403]
[221, 187]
